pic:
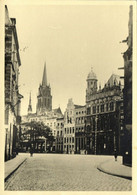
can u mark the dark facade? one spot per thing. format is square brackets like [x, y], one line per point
[127, 139]
[12, 95]
[104, 120]
[44, 98]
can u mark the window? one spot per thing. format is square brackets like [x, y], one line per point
[70, 129]
[64, 140]
[102, 108]
[97, 109]
[94, 109]
[72, 139]
[79, 112]
[76, 112]
[65, 130]
[107, 107]
[73, 129]
[112, 106]
[88, 110]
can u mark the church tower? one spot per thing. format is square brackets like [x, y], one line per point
[30, 106]
[91, 84]
[44, 98]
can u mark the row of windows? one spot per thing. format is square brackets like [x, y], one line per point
[70, 140]
[59, 133]
[79, 120]
[79, 128]
[102, 108]
[69, 130]
[82, 112]
[60, 124]
[69, 146]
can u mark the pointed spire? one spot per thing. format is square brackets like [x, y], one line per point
[29, 106]
[44, 80]
[99, 86]
[30, 99]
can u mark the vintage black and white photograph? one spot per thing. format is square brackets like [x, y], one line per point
[68, 96]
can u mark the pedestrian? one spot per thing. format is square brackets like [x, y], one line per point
[31, 152]
[115, 154]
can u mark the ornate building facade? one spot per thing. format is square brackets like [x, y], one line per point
[74, 128]
[69, 128]
[103, 115]
[12, 95]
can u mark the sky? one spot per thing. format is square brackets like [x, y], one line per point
[70, 39]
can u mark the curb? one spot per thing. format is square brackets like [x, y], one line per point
[7, 177]
[114, 174]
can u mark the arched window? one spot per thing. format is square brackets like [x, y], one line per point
[112, 106]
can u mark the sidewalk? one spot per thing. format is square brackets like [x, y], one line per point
[12, 165]
[116, 168]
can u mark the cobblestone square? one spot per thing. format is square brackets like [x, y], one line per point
[61, 172]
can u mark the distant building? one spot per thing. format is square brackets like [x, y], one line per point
[80, 136]
[60, 134]
[44, 98]
[127, 142]
[44, 112]
[74, 137]
[104, 121]
[69, 128]
[12, 95]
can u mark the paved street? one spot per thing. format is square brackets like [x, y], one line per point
[60, 172]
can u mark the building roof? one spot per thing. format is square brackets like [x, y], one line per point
[57, 111]
[91, 75]
[78, 106]
[113, 80]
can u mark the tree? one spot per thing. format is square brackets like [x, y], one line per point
[36, 131]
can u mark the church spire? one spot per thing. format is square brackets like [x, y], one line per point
[29, 106]
[30, 99]
[44, 80]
